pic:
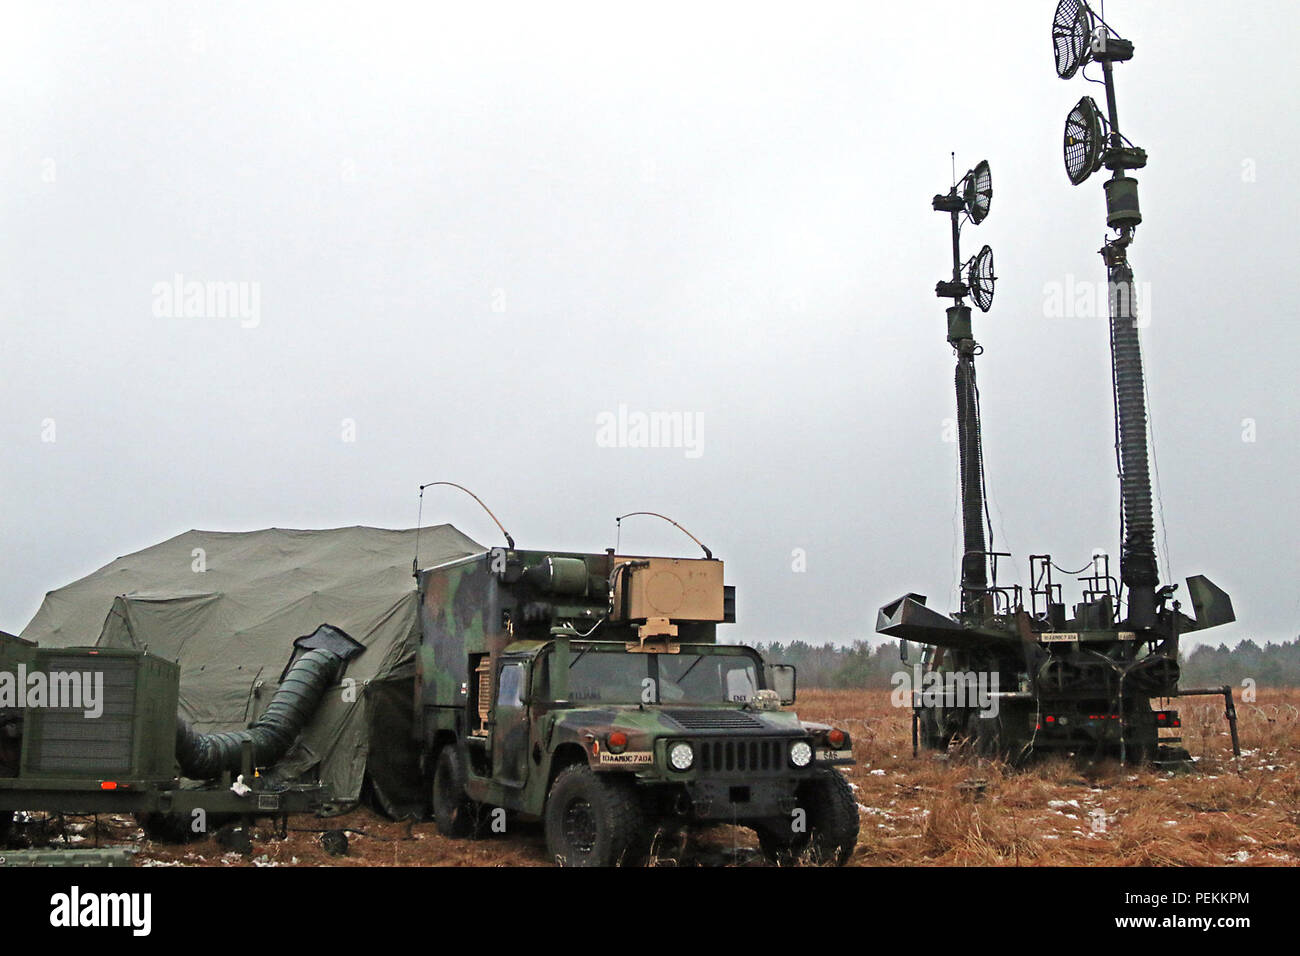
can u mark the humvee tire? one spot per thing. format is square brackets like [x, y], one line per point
[776, 842]
[593, 820]
[831, 825]
[455, 813]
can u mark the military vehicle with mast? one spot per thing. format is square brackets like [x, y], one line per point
[590, 691]
[1082, 678]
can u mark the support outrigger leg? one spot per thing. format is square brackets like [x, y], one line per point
[1229, 710]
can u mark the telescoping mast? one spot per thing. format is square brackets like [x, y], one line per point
[1080, 679]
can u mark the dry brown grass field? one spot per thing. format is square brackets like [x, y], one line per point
[923, 811]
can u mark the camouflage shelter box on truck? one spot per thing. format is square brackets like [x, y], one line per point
[228, 607]
[589, 690]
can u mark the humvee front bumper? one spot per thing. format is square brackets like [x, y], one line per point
[729, 799]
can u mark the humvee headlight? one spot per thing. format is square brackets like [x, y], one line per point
[681, 755]
[800, 753]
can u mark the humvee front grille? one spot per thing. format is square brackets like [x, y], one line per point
[742, 756]
[715, 719]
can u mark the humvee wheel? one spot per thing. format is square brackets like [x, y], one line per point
[831, 825]
[777, 843]
[455, 813]
[592, 820]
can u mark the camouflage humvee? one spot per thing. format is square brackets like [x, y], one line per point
[588, 691]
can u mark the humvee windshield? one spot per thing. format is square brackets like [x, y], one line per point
[618, 677]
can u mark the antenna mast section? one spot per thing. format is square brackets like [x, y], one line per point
[1080, 36]
[969, 198]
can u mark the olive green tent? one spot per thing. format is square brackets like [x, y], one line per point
[227, 607]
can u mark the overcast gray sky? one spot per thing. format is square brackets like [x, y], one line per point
[465, 235]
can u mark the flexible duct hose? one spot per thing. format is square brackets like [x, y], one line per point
[203, 756]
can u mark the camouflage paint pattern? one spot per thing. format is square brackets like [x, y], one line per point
[492, 604]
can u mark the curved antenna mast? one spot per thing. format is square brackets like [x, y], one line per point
[654, 514]
[415, 565]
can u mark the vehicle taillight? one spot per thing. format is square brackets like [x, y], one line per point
[836, 738]
[617, 742]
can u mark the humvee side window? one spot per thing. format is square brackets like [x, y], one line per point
[510, 685]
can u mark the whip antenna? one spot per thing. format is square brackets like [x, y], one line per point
[416, 563]
[654, 514]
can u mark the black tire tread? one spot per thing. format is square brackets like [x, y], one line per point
[615, 800]
[832, 825]
[833, 813]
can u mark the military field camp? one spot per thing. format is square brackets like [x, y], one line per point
[848, 444]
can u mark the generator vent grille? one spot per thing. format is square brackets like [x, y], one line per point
[65, 739]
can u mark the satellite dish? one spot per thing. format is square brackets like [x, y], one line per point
[1083, 140]
[977, 191]
[1071, 37]
[980, 278]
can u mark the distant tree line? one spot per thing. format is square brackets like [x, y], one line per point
[1273, 665]
[843, 666]
[836, 667]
